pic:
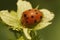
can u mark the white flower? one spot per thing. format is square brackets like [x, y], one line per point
[13, 18]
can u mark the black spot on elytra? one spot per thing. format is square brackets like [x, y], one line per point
[25, 15]
[36, 13]
[35, 10]
[40, 17]
[32, 16]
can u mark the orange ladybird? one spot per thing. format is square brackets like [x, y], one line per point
[31, 17]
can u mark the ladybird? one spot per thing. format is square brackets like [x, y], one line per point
[31, 16]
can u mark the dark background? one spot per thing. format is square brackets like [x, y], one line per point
[52, 32]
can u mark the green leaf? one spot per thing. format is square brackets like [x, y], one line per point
[5, 33]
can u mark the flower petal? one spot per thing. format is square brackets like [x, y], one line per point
[13, 13]
[47, 15]
[22, 6]
[42, 25]
[26, 32]
[9, 19]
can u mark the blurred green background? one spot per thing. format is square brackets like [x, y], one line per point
[52, 32]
